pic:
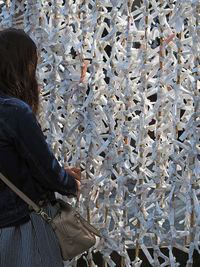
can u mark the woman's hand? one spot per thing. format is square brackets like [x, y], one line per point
[76, 174]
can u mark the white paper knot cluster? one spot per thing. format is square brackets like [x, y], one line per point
[120, 98]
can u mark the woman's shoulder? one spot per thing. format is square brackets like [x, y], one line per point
[14, 112]
[13, 103]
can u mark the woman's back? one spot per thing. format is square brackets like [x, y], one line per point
[14, 161]
[27, 161]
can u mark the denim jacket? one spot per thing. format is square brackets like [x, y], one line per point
[27, 161]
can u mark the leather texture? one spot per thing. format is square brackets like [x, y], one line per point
[74, 233]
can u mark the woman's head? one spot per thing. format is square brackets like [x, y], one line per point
[18, 62]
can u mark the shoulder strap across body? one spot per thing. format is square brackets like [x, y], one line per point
[35, 207]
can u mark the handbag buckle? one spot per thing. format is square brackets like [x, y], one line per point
[44, 215]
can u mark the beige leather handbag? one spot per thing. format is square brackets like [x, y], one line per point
[74, 233]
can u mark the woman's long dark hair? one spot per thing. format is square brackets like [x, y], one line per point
[18, 62]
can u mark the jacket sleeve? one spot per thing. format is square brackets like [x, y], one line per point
[31, 143]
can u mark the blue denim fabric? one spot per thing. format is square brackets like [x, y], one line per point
[27, 161]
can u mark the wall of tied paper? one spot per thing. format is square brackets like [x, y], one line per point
[120, 98]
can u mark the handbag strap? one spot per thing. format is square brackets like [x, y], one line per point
[32, 204]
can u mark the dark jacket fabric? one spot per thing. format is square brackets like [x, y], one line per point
[27, 161]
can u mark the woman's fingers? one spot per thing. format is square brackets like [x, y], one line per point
[74, 172]
[77, 171]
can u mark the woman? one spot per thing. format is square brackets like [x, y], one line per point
[26, 160]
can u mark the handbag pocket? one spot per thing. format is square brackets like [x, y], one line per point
[88, 226]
